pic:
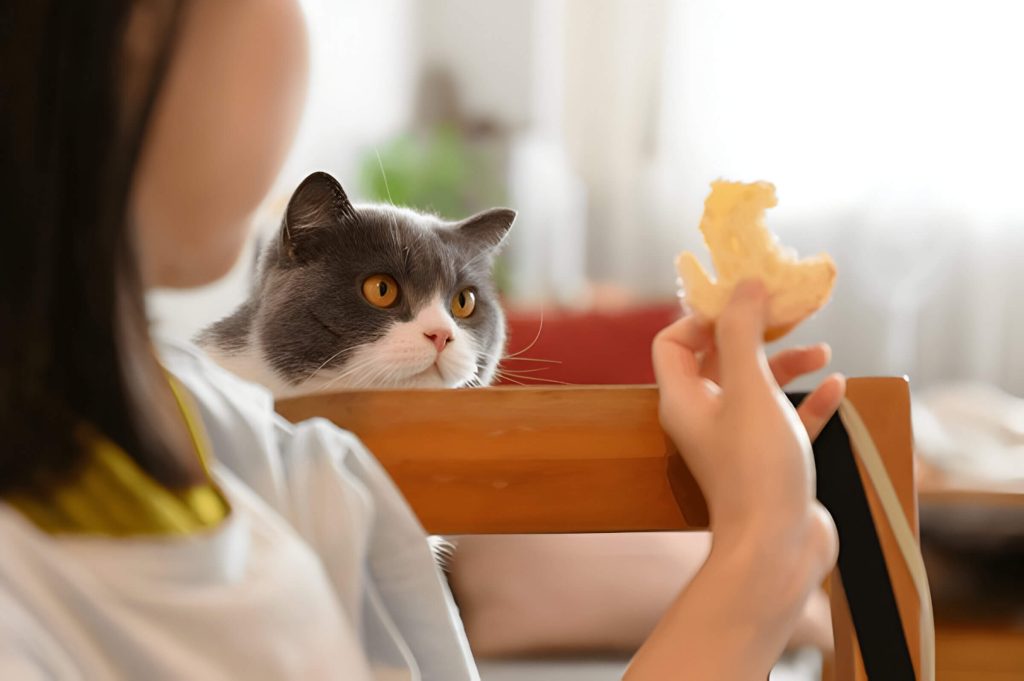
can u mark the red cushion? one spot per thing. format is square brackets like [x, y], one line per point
[590, 348]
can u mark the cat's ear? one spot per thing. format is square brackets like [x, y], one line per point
[486, 231]
[318, 203]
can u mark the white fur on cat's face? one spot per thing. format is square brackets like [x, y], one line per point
[408, 356]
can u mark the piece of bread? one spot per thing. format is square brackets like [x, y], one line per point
[743, 248]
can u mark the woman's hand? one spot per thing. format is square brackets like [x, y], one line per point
[750, 452]
[720, 402]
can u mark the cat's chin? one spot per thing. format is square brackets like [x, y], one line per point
[429, 378]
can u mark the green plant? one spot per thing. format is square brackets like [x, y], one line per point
[437, 170]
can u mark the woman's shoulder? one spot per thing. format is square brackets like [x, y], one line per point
[237, 415]
[249, 438]
[237, 418]
[196, 369]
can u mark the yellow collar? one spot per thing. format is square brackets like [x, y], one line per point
[113, 496]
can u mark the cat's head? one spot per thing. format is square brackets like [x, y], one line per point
[354, 296]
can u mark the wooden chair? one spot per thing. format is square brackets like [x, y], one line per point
[588, 459]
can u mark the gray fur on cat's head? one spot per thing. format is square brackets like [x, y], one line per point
[308, 325]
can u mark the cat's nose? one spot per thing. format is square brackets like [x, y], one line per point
[440, 338]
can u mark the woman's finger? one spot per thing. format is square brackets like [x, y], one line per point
[739, 337]
[684, 396]
[795, 362]
[710, 367]
[818, 407]
[675, 348]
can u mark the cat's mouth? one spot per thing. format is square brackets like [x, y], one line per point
[435, 376]
[431, 377]
[434, 371]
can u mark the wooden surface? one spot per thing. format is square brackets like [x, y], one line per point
[581, 459]
[979, 651]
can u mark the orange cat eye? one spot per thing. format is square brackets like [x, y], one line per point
[380, 290]
[464, 303]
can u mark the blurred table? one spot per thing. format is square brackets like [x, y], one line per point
[972, 536]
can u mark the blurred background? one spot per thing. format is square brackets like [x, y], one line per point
[892, 129]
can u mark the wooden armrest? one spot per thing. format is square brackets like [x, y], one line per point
[564, 459]
[519, 460]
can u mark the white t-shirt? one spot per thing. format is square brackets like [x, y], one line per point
[320, 572]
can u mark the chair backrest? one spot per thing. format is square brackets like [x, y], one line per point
[587, 459]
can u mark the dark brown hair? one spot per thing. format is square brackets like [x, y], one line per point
[74, 346]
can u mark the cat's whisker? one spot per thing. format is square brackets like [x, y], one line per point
[531, 359]
[511, 380]
[348, 373]
[524, 374]
[476, 381]
[378, 375]
[320, 368]
[540, 329]
[329, 384]
[383, 175]
[536, 378]
[516, 372]
[326, 362]
[384, 376]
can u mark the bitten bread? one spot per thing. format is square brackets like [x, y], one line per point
[742, 248]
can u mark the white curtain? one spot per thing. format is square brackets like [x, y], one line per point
[894, 132]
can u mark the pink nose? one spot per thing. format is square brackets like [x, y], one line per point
[439, 338]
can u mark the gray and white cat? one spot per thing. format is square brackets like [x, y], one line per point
[367, 296]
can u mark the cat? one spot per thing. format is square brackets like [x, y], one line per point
[367, 296]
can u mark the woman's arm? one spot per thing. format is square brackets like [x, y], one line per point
[734, 619]
[523, 594]
[749, 451]
[583, 592]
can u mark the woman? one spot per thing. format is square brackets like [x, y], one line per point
[158, 520]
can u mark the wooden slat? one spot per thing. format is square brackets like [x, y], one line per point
[884, 405]
[846, 663]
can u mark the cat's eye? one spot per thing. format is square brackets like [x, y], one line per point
[464, 303]
[380, 290]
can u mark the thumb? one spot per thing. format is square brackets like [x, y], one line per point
[739, 335]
